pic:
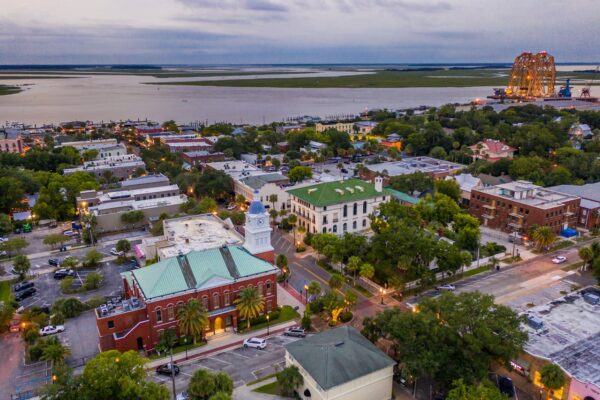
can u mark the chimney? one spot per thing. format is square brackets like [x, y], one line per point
[378, 183]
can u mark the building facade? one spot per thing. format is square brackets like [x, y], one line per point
[589, 208]
[214, 276]
[341, 364]
[338, 207]
[519, 205]
[121, 167]
[492, 150]
[347, 127]
[11, 141]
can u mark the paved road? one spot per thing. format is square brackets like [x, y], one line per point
[536, 281]
[12, 353]
[243, 365]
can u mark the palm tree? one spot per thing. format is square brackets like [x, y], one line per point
[54, 352]
[367, 271]
[587, 255]
[552, 377]
[292, 220]
[250, 304]
[543, 237]
[336, 281]
[192, 319]
[301, 231]
[353, 266]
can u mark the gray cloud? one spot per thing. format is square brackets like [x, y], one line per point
[253, 5]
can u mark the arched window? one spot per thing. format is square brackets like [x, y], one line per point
[158, 312]
[226, 300]
[324, 229]
[334, 228]
[215, 301]
[364, 207]
[260, 288]
[354, 209]
[344, 227]
[179, 305]
[364, 223]
[205, 302]
[170, 312]
[354, 225]
[268, 286]
[345, 210]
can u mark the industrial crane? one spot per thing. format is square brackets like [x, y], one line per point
[586, 90]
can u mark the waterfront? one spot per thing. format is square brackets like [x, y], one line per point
[119, 97]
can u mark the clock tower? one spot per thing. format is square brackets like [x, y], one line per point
[258, 231]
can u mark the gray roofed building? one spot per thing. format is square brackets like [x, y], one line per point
[338, 358]
[256, 182]
[490, 180]
[590, 191]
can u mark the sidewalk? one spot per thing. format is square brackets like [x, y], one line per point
[221, 344]
[245, 392]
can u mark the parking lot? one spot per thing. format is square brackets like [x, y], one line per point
[243, 365]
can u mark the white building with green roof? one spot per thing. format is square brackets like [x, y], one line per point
[338, 207]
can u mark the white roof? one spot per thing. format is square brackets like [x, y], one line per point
[465, 181]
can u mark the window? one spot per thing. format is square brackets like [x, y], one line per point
[179, 305]
[111, 324]
[269, 306]
[324, 219]
[354, 225]
[268, 287]
[216, 301]
[364, 223]
[345, 210]
[158, 315]
[260, 288]
[226, 300]
[335, 228]
[205, 302]
[324, 229]
[364, 207]
[354, 209]
[170, 311]
[344, 227]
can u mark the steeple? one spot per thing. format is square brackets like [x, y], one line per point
[258, 230]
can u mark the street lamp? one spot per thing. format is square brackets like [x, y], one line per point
[382, 291]
[306, 293]
[268, 318]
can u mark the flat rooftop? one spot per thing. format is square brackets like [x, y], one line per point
[132, 205]
[145, 180]
[533, 195]
[125, 194]
[411, 165]
[196, 233]
[569, 335]
[590, 191]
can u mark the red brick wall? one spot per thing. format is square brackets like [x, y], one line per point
[151, 331]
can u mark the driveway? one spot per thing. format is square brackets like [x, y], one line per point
[242, 365]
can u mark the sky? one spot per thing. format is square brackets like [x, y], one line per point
[294, 31]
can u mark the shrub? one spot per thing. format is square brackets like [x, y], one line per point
[345, 316]
[66, 284]
[300, 249]
[35, 351]
[306, 322]
[92, 281]
[307, 238]
[95, 302]
[57, 318]
[70, 307]
[317, 305]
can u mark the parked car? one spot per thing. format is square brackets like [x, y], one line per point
[22, 286]
[506, 386]
[167, 369]
[231, 206]
[344, 170]
[256, 343]
[63, 248]
[23, 294]
[51, 330]
[63, 273]
[448, 287]
[132, 264]
[295, 331]
[559, 259]
[114, 252]
[182, 396]
[55, 262]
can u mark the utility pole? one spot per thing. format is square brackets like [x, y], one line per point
[173, 376]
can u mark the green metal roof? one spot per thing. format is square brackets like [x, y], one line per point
[401, 196]
[328, 193]
[338, 356]
[197, 270]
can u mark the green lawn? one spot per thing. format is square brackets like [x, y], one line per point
[5, 291]
[287, 314]
[177, 350]
[383, 79]
[269, 388]
[7, 89]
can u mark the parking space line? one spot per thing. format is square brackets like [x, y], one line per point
[216, 359]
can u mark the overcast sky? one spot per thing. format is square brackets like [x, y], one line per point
[295, 31]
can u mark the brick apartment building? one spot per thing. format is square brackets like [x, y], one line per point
[519, 205]
[214, 276]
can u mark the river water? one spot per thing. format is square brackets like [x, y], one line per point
[119, 97]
